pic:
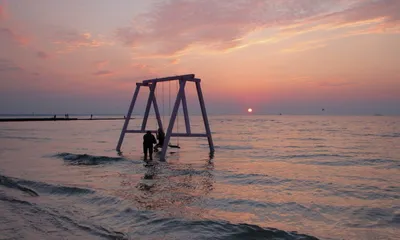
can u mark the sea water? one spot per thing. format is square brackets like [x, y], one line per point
[271, 177]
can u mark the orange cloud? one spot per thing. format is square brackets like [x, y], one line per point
[175, 28]
[71, 40]
[304, 46]
[175, 61]
[372, 16]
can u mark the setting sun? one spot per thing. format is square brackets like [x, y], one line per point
[249, 110]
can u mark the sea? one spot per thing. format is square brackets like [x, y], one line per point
[270, 177]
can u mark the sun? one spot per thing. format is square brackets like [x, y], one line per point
[250, 110]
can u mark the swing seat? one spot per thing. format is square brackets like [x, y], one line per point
[156, 148]
[173, 146]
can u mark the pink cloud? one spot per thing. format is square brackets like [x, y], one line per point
[71, 40]
[42, 55]
[9, 31]
[175, 61]
[10, 34]
[173, 28]
[103, 73]
[176, 26]
[144, 68]
[100, 64]
[2, 13]
[304, 46]
[9, 66]
[335, 83]
[374, 16]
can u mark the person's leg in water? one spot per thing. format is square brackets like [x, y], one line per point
[145, 152]
[151, 152]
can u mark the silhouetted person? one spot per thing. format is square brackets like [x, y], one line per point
[160, 137]
[91, 116]
[148, 141]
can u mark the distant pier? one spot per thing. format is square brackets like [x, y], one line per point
[38, 119]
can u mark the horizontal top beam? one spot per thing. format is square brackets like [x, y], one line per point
[172, 134]
[195, 80]
[149, 83]
[179, 77]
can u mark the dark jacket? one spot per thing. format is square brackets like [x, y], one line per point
[149, 140]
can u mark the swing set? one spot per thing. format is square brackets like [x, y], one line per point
[180, 97]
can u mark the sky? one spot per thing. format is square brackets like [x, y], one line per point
[274, 56]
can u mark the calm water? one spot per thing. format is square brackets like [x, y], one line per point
[272, 177]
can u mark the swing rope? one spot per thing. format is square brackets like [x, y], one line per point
[155, 115]
[169, 95]
[162, 90]
[177, 117]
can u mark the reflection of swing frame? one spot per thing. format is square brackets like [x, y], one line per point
[152, 83]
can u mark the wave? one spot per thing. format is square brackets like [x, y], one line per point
[130, 223]
[323, 155]
[56, 189]
[385, 135]
[26, 138]
[86, 159]
[357, 162]
[33, 188]
[44, 219]
[233, 147]
[392, 135]
[221, 230]
[11, 183]
[307, 139]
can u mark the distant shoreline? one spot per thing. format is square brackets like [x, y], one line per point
[38, 119]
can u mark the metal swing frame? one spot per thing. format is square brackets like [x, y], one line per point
[181, 97]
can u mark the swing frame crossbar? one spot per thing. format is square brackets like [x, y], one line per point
[181, 97]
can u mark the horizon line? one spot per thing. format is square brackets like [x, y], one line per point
[199, 114]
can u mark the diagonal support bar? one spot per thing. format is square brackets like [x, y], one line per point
[172, 120]
[149, 101]
[128, 117]
[205, 119]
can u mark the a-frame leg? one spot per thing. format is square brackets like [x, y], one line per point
[205, 119]
[128, 117]
[149, 101]
[185, 111]
[172, 120]
[157, 112]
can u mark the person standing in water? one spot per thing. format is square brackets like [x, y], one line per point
[148, 141]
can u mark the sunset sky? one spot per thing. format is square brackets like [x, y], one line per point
[275, 56]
